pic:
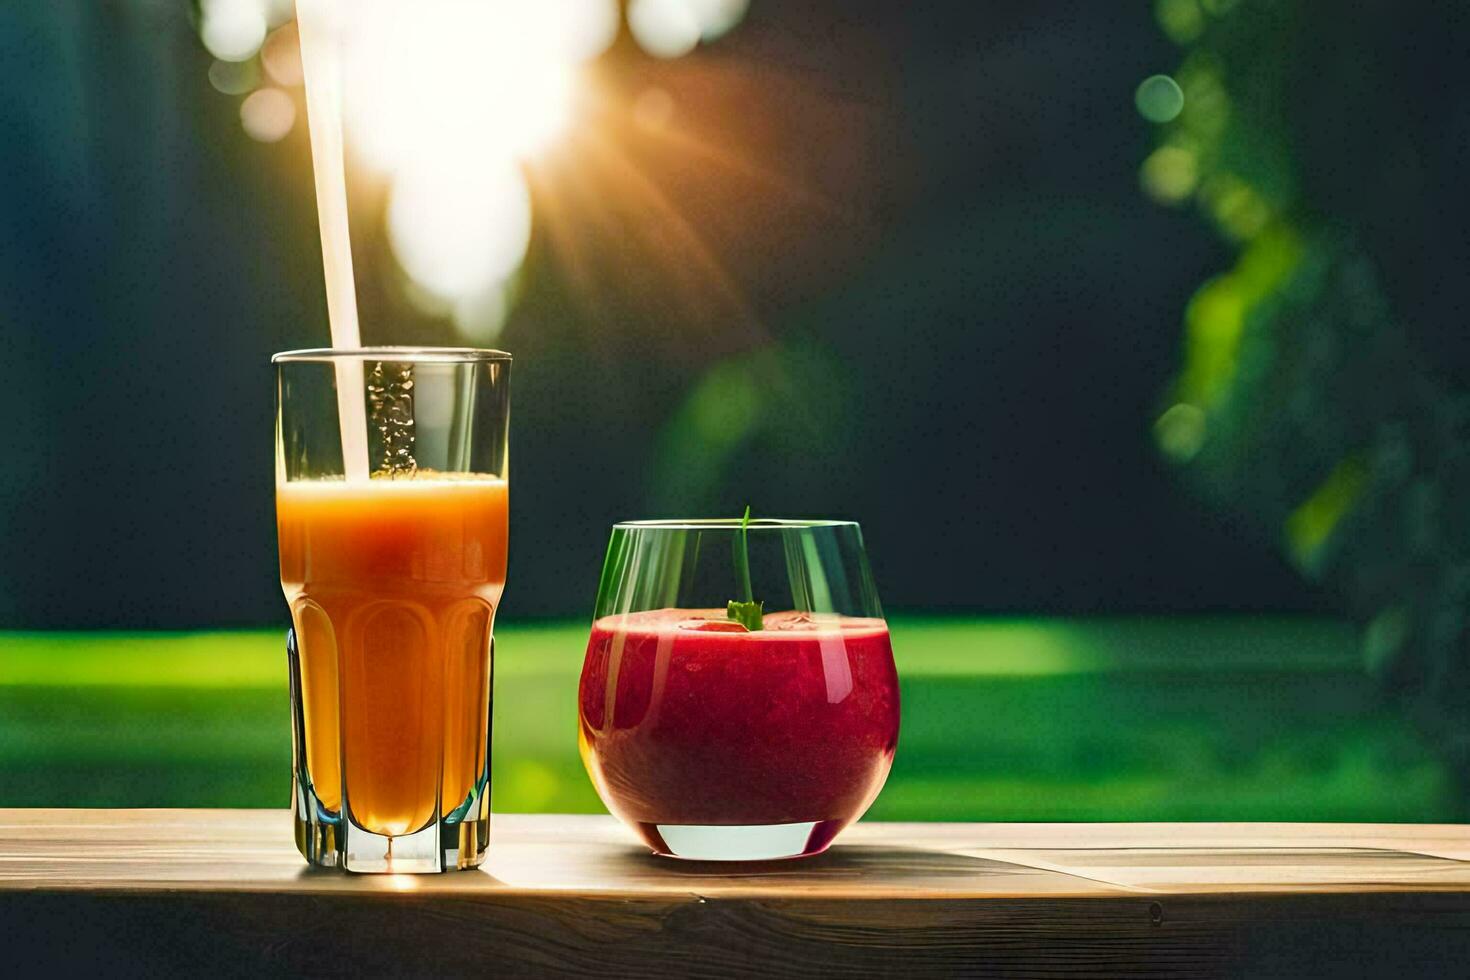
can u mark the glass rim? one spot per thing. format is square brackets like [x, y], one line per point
[417, 355]
[732, 524]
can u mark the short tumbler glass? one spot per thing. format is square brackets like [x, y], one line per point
[716, 741]
[393, 563]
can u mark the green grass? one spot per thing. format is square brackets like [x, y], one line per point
[1164, 719]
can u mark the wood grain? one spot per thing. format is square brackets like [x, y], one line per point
[144, 891]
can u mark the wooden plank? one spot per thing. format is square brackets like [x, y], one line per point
[251, 850]
[167, 890]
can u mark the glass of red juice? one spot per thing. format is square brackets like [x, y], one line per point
[739, 699]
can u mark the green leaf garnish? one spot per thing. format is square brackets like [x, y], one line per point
[747, 612]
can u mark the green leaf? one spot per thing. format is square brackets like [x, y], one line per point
[747, 614]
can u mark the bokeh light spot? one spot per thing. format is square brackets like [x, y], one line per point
[486, 81]
[717, 17]
[1204, 92]
[281, 55]
[278, 12]
[480, 316]
[1180, 431]
[586, 27]
[233, 30]
[1170, 174]
[1240, 211]
[458, 232]
[1159, 99]
[1182, 20]
[267, 115]
[664, 28]
[234, 77]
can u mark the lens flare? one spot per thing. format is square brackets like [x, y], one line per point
[457, 231]
[449, 106]
[484, 80]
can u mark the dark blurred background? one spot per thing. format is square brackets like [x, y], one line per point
[1134, 335]
[896, 266]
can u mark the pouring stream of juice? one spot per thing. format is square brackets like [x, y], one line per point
[321, 56]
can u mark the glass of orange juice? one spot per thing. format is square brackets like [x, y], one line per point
[391, 511]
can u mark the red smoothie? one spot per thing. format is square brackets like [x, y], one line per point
[684, 722]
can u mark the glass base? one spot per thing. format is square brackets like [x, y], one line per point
[740, 842]
[454, 842]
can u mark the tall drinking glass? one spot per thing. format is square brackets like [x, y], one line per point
[393, 567]
[738, 699]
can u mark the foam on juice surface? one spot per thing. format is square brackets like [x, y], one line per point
[419, 481]
[787, 625]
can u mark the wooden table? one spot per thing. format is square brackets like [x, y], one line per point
[149, 891]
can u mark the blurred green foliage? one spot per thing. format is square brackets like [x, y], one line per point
[785, 404]
[1322, 398]
[1122, 719]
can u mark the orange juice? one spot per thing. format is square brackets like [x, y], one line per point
[393, 585]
